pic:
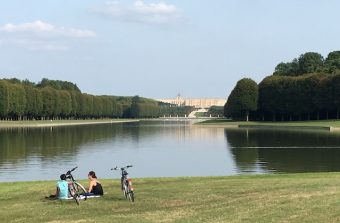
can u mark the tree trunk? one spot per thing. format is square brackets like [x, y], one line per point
[247, 116]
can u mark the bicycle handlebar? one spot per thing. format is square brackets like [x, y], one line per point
[122, 168]
[69, 172]
[74, 169]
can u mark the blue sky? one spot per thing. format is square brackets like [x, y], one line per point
[157, 49]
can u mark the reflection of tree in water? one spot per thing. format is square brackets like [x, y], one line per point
[245, 155]
[283, 150]
[47, 143]
[65, 142]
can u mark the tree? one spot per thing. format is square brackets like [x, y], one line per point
[336, 94]
[17, 101]
[58, 85]
[287, 69]
[4, 98]
[75, 102]
[86, 105]
[63, 103]
[243, 99]
[273, 95]
[63, 100]
[310, 62]
[34, 102]
[135, 107]
[332, 63]
[216, 111]
[49, 102]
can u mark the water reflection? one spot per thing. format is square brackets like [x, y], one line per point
[163, 149]
[62, 142]
[49, 143]
[156, 148]
[284, 151]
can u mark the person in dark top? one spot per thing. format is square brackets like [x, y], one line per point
[95, 187]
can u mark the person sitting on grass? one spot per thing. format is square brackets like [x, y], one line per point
[95, 188]
[62, 189]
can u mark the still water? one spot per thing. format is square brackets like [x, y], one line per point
[163, 149]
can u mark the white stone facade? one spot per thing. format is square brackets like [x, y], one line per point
[195, 102]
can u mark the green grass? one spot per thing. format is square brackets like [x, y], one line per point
[261, 198]
[200, 114]
[225, 122]
[43, 123]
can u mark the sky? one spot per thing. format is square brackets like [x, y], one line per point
[158, 49]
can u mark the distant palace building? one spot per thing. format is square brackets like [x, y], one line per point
[195, 102]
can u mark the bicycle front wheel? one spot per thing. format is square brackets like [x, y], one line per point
[125, 191]
[73, 193]
[131, 196]
[80, 189]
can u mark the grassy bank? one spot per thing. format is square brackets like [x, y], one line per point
[228, 123]
[52, 123]
[261, 198]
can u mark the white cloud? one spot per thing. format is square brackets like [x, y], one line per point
[141, 12]
[40, 27]
[39, 35]
[36, 45]
[154, 8]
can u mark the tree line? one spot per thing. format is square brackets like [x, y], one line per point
[307, 88]
[56, 99]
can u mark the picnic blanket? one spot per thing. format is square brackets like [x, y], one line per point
[83, 197]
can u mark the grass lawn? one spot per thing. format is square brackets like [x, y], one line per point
[262, 198]
[225, 122]
[47, 123]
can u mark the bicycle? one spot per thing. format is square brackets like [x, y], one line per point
[74, 188]
[126, 183]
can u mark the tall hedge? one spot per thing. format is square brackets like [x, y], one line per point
[243, 99]
[55, 99]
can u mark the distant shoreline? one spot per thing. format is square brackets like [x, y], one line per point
[328, 125]
[58, 123]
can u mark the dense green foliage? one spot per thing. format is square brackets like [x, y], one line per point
[311, 96]
[310, 62]
[55, 99]
[170, 110]
[307, 88]
[243, 99]
[216, 111]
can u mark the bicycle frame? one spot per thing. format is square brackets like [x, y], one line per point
[70, 179]
[126, 183]
[73, 185]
